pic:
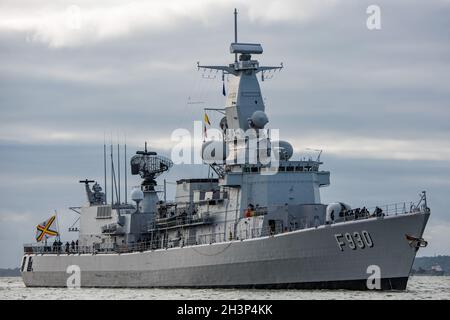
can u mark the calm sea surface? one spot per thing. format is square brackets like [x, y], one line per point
[418, 288]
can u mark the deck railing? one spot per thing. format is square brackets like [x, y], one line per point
[242, 234]
[384, 210]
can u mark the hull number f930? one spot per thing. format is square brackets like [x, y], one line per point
[355, 240]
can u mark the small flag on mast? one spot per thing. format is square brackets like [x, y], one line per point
[44, 231]
[206, 118]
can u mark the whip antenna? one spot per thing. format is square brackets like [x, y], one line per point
[235, 32]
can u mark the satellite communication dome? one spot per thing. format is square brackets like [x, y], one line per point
[137, 195]
[259, 119]
[285, 150]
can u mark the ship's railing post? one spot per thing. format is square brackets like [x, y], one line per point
[424, 197]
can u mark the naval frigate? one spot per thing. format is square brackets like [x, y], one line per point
[254, 224]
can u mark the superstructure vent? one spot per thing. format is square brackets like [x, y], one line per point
[103, 212]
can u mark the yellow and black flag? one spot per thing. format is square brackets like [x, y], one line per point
[206, 119]
[44, 230]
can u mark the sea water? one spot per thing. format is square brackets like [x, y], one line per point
[419, 287]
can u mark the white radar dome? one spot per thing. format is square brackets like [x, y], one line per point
[285, 150]
[137, 195]
[259, 119]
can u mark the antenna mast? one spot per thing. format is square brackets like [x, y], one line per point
[125, 173]
[235, 32]
[112, 177]
[104, 169]
[118, 171]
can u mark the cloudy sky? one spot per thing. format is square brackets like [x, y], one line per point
[76, 73]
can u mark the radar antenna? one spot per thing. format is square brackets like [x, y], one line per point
[149, 165]
[244, 50]
[94, 196]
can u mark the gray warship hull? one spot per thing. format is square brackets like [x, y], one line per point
[256, 220]
[308, 258]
